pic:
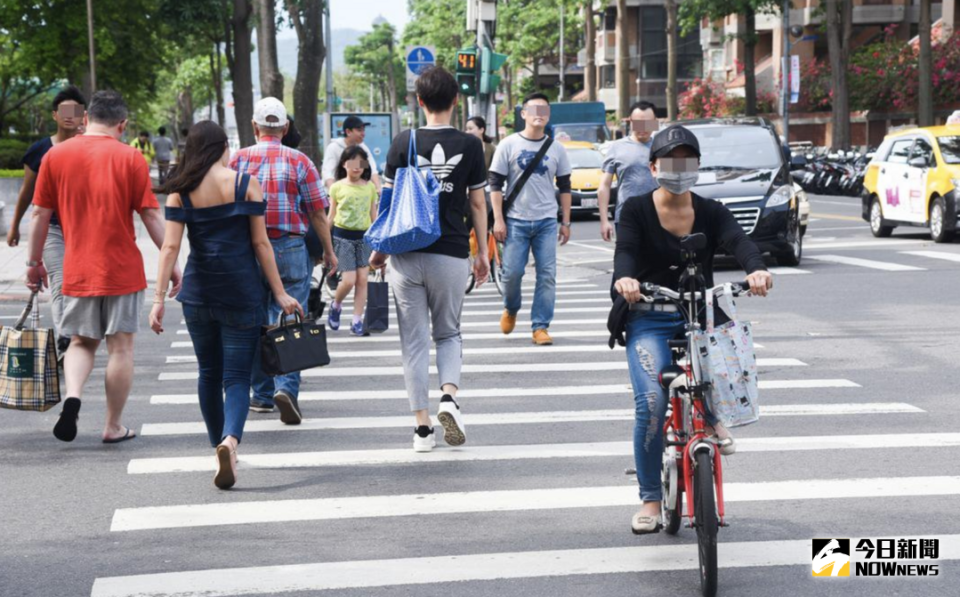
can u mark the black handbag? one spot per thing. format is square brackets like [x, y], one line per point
[376, 319]
[288, 347]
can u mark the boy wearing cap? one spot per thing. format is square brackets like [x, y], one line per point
[354, 132]
[296, 200]
[648, 250]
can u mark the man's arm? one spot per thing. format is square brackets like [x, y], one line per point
[606, 184]
[566, 201]
[156, 228]
[39, 226]
[23, 201]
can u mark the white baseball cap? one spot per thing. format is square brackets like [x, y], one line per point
[270, 112]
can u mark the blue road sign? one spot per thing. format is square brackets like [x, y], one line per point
[419, 59]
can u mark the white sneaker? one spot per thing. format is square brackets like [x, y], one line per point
[425, 442]
[449, 416]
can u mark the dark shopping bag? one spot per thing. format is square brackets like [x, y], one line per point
[376, 320]
[29, 373]
[290, 347]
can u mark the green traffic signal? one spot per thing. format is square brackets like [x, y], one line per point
[467, 67]
[490, 65]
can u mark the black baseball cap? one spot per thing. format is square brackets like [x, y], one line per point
[672, 137]
[353, 122]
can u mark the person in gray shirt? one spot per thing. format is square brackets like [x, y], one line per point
[629, 160]
[531, 220]
[164, 148]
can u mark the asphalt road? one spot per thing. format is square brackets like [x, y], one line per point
[859, 366]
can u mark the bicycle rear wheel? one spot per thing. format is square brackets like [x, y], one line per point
[705, 507]
[496, 274]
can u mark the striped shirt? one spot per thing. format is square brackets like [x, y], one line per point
[292, 188]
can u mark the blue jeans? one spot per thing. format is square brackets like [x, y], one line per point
[541, 237]
[295, 268]
[647, 354]
[225, 342]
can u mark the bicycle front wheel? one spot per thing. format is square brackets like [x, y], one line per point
[705, 508]
[496, 274]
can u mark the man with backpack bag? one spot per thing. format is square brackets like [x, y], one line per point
[526, 220]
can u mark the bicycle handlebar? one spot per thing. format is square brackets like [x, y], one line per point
[653, 290]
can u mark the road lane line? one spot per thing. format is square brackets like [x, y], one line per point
[867, 263]
[492, 368]
[340, 576]
[521, 418]
[585, 390]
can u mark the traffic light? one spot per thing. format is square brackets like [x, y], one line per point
[490, 65]
[467, 71]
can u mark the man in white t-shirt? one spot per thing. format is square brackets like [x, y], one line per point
[354, 131]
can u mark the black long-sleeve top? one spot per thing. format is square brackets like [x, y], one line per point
[649, 253]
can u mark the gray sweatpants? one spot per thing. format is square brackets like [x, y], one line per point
[53, 260]
[428, 290]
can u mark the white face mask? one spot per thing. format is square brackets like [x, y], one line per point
[678, 183]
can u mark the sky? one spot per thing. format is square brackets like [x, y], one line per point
[359, 14]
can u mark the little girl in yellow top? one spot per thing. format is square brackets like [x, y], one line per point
[353, 208]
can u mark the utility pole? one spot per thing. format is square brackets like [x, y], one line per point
[785, 72]
[331, 94]
[562, 57]
[486, 21]
[93, 60]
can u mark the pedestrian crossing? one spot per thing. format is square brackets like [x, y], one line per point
[549, 435]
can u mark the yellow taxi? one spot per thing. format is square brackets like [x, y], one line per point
[586, 163]
[913, 180]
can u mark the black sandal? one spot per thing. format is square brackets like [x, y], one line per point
[66, 428]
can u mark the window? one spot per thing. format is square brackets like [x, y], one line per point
[900, 152]
[608, 74]
[653, 47]
[737, 148]
[923, 150]
[585, 159]
[950, 149]
[610, 19]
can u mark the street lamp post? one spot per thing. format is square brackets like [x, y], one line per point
[93, 60]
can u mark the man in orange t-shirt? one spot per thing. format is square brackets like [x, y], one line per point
[95, 184]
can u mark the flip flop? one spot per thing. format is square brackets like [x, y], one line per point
[129, 434]
[66, 428]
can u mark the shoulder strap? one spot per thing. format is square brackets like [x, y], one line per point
[412, 149]
[240, 187]
[528, 172]
[185, 200]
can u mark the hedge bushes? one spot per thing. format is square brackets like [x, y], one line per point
[11, 152]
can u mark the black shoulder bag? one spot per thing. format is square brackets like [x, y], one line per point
[527, 173]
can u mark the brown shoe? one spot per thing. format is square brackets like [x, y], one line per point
[507, 322]
[542, 338]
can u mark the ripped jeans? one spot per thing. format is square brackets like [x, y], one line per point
[647, 354]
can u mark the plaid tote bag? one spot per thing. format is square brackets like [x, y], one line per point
[29, 374]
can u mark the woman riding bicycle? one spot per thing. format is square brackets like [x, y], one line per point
[648, 250]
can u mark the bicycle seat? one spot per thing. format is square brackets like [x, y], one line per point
[677, 343]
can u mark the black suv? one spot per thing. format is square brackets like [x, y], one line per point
[747, 168]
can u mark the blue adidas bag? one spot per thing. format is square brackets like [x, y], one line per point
[409, 212]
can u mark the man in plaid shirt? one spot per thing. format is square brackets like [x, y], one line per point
[296, 199]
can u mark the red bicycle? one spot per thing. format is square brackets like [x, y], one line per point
[691, 458]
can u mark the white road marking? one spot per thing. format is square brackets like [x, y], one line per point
[393, 457]
[522, 418]
[332, 576]
[585, 390]
[512, 338]
[955, 257]
[472, 502]
[586, 246]
[788, 271]
[887, 244]
[867, 263]
[493, 368]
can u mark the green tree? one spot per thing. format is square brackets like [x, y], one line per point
[376, 59]
[439, 23]
[692, 12]
[306, 17]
